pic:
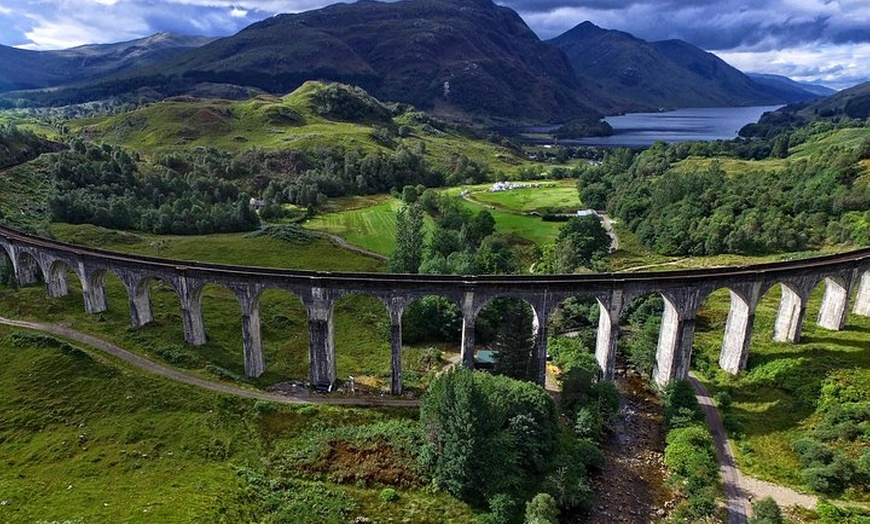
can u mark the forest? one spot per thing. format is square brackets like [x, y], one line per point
[803, 203]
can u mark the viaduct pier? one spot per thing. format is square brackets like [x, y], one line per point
[844, 275]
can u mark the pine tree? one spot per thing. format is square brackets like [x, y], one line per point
[408, 255]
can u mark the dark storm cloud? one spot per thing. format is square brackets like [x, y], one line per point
[712, 24]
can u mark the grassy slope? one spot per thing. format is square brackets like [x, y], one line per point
[85, 437]
[772, 402]
[239, 126]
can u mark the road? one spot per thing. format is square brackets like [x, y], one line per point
[159, 369]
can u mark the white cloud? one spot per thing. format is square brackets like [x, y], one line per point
[835, 66]
[237, 12]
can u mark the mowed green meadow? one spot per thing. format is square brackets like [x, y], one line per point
[370, 222]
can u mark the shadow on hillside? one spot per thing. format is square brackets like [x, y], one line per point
[838, 341]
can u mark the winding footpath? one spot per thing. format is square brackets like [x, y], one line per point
[736, 501]
[172, 374]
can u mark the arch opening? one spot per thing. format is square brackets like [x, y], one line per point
[723, 331]
[27, 269]
[573, 340]
[506, 335]
[7, 270]
[639, 332]
[362, 342]
[431, 339]
[284, 332]
[221, 316]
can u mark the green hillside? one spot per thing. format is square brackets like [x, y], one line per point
[86, 438]
[316, 115]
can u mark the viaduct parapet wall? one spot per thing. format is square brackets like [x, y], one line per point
[844, 275]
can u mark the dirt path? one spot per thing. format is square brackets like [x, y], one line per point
[741, 489]
[736, 501]
[341, 242]
[158, 369]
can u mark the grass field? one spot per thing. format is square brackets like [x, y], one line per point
[86, 438]
[774, 401]
[367, 222]
[234, 248]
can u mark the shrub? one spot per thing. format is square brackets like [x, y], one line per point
[689, 453]
[766, 511]
[542, 510]
[681, 405]
[812, 453]
[389, 495]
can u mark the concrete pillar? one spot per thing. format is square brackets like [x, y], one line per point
[191, 312]
[674, 351]
[57, 284]
[835, 306]
[862, 300]
[790, 318]
[252, 342]
[321, 338]
[93, 290]
[139, 297]
[539, 352]
[608, 333]
[468, 318]
[395, 350]
[738, 334]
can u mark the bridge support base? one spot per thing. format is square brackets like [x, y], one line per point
[675, 346]
[738, 334]
[835, 306]
[790, 318]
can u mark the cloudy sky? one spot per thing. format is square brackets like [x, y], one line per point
[821, 41]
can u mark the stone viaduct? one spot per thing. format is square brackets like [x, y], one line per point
[34, 259]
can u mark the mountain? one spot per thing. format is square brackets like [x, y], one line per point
[25, 69]
[790, 86]
[853, 102]
[659, 75]
[454, 58]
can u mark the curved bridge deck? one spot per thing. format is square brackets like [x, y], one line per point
[34, 258]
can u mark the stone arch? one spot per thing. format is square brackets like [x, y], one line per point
[509, 310]
[362, 349]
[94, 290]
[57, 284]
[27, 268]
[139, 294]
[284, 335]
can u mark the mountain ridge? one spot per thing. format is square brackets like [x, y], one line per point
[661, 75]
